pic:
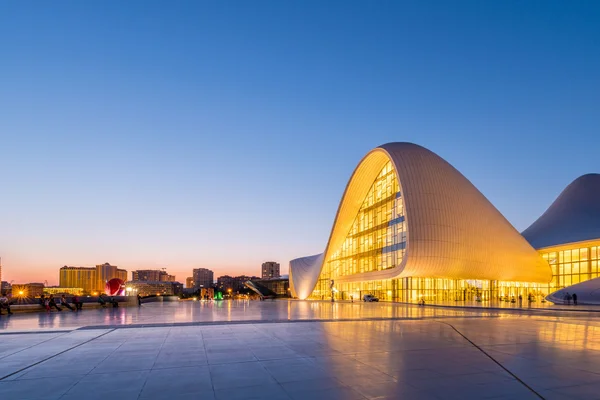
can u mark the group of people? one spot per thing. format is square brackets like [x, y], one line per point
[48, 302]
[103, 300]
[568, 297]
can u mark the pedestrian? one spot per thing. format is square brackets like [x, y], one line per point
[47, 304]
[351, 299]
[53, 303]
[139, 299]
[114, 302]
[569, 298]
[102, 301]
[77, 302]
[520, 301]
[5, 303]
[575, 299]
[566, 298]
[65, 303]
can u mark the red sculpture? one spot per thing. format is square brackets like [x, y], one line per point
[114, 287]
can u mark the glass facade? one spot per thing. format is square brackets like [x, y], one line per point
[571, 266]
[377, 241]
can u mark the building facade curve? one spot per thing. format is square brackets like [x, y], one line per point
[567, 235]
[407, 213]
[573, 217]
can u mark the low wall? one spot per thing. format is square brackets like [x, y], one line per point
[159, 299]
[33, 305]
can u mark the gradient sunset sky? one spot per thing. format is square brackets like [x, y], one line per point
[221, 134]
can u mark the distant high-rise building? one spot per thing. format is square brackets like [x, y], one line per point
[90, 279]
[189, 282]
[5, 287]
[270, 269]
[203, 277]
[147, 288]
[82, 277]
[151, 275]
[106, 272]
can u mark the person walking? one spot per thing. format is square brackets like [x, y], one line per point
[566, 298]
[569, 298]
[47, 303]
[575, 299]
[65, 303]
[139, 299]
[102, 301]
[520, 301]
[5, 303]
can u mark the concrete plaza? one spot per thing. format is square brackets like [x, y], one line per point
[300, 350]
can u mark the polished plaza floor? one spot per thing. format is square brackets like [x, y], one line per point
[300, 350]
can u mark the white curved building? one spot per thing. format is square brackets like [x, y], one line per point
[411, 226]
[567, 235]
[588, 293]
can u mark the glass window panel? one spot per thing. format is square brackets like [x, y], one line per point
[566, 256]
[575, 255]
[575, 268]
[575, 279]
[583, 254]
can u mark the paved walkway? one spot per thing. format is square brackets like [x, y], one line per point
[324, 351]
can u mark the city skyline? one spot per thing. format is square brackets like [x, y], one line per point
[208, 135]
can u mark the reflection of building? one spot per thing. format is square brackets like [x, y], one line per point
[567, 235]
[203, 277]
[62, 290]
[189, 282]
[411, 227]
[90, 279]
[151, 275]
[147, 288]
[27, 290]
[270, 269]
[235, 283]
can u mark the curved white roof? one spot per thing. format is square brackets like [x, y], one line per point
[453, 231]
[588, 292]
[573, 217]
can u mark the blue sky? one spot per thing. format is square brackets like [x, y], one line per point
[222, 134]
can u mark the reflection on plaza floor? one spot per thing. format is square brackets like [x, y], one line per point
[355, 351]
